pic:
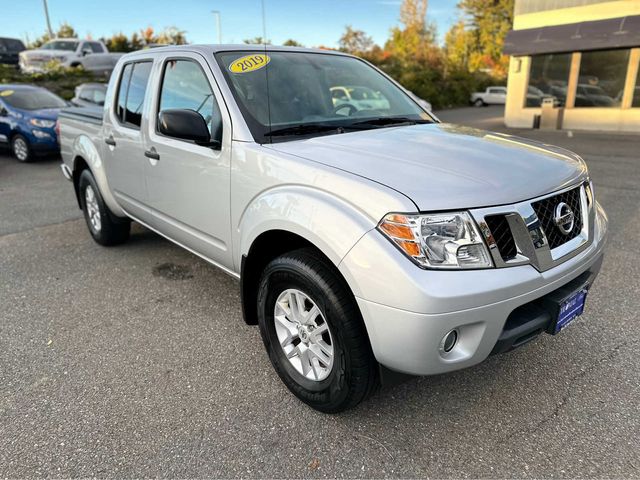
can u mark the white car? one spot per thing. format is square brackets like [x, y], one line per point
[70, 52]
[358, 98]
[491, 96]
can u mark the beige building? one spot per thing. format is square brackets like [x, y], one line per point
[585, 53]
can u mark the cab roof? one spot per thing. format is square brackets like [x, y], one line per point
[207, 49]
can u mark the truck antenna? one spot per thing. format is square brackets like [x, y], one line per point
[266, 68]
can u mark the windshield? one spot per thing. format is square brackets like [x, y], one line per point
[69, 45]
[35, 99]
[313, 93]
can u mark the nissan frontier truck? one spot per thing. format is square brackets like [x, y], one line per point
[367, 241]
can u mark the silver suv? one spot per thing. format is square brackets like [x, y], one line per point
[369, 238]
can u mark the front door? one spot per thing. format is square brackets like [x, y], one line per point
[124, 149]
[5, 122]
[188, 184]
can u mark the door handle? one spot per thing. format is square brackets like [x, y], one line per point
[110, 141]
[152, 154]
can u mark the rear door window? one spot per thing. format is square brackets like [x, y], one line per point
[131, 93]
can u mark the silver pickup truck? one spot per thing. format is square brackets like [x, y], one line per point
[368, 240]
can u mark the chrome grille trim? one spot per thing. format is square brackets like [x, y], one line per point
[528, 234]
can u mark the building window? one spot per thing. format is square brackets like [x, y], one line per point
[601, 79]
[549, 76]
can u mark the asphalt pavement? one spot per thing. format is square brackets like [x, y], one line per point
[134, 361]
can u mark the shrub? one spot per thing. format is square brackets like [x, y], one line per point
[58, 79]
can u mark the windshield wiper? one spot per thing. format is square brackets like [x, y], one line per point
[305, 129]
[385, 121]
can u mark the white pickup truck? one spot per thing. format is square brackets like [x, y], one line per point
[491, 96]
[92, 55]
[366, 240]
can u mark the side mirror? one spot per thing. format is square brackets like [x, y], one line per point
[3, 112]
[86, 51]
[186, 125]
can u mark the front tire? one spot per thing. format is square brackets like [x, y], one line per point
[479, 103]
[313, 332]
[104, 226]
[21, 149]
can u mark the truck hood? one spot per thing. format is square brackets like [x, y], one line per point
[39, 53]
[445, 166]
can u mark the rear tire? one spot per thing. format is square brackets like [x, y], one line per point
[341, 370]
[21, 149]
[104, 226]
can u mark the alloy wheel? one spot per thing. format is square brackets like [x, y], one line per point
[20, 149]
[93, 210]
[304, 334]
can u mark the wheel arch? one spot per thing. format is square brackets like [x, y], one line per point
[79, 165]
[266, 247]
[289, 217]
[87, 156]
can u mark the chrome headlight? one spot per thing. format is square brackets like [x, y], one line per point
[438, 240]
[60, 58]
[39, 122]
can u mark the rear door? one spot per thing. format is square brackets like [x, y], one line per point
[189, 184]
[124, 150]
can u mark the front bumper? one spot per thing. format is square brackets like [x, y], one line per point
[407, 311]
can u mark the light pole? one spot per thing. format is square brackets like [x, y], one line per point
[217, 14]
[46, 14]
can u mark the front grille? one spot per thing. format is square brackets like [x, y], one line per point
[501, 232]
[545, 210]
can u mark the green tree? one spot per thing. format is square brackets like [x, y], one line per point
[416, 39]
[135, 42]
[64, 31]
[488, 21]
[172, 36]
[412, 56]
[257, 41]
[355, 41]
[118, 42]
[458, 44]
[292, 43]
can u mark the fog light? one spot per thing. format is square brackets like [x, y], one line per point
[449, 341]
[40, 134]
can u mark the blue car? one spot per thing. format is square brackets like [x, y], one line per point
[28, 118]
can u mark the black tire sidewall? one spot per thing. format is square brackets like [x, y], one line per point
[332, 393]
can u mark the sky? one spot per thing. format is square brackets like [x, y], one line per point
[311, 22]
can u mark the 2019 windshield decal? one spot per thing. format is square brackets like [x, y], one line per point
[249, 63]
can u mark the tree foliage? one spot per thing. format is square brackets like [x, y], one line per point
[486, 23]
[441, 75]
[470, 59]
[257, 41]
[64, 31]
[292, 43]
[355, 41]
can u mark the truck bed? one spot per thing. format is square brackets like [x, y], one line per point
[76, 123]
[83, 114]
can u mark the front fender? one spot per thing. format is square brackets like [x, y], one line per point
[330, 223]
[84, 148]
